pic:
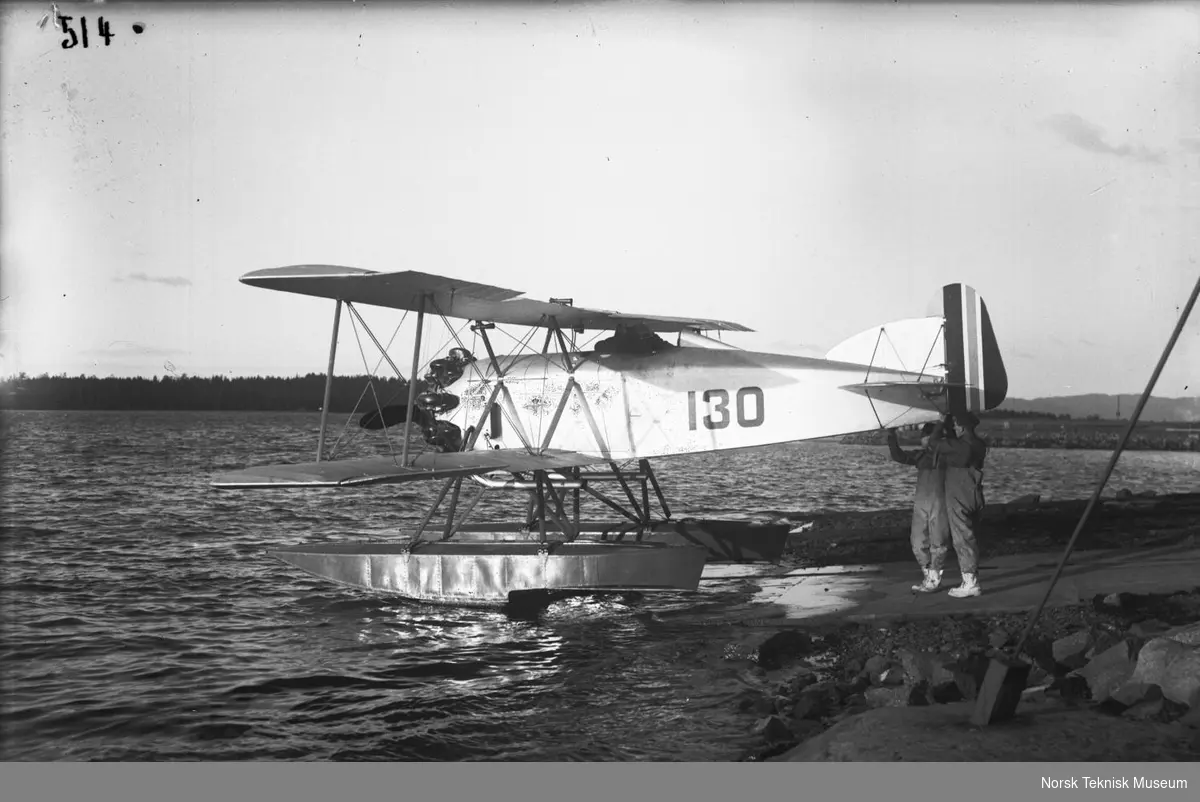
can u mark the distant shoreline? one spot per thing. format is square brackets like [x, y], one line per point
[1083, 435]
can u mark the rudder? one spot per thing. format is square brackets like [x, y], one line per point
[975, 375]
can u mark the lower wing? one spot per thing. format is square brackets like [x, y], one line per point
[385, 470]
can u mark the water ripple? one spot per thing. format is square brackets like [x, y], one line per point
[143, 622]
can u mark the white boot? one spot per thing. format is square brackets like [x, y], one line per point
[933, 581]
[969, 587]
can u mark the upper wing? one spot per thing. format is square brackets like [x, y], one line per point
[379, 470]
[461, 299]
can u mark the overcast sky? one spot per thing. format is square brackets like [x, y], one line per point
[807, 170]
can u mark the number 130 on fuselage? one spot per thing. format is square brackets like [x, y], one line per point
[747, 408]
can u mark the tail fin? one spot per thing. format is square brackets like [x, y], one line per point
[975, 375]
[953, 358]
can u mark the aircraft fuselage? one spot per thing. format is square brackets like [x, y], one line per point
[675, 401]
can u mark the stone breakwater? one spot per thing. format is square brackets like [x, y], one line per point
[1022, 526]
[1081, 437]
[1127, 664]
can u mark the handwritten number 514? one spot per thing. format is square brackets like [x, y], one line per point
[75, 39]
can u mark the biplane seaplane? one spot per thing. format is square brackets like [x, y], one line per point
[570, 419]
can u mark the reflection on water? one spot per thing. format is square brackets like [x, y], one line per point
[142, 621]
[825, 590]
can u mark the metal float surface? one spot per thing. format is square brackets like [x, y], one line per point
[485, 573]
[737, 541]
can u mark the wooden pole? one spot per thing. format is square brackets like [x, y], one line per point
[1112, 463]
[1006, 676]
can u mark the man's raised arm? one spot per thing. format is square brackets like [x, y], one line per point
[899, 455]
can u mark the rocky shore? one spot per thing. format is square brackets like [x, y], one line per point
[1116, 679]
[1126, 663]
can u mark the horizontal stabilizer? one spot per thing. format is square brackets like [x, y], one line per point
[385, 470]
[919, 395]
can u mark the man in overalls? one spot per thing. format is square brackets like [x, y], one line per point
[962, 458]
[930, 529]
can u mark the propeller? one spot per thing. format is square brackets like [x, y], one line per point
[442, 435]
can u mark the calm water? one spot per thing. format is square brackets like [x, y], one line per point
[142, 622]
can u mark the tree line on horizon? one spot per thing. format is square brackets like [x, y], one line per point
[215, 393]
[999, 414]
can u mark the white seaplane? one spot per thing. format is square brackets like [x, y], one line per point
[564, 420]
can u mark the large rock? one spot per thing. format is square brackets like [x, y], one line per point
[816, 701]
[805, 728]
[874, 667]
[1072, 687]
[773, 729]
[1038, 676]
[782, 647]
[969, 673]
[1150, 628]
[1070, 651]
[1042, 731]
[1181, 682]
[887, 697]
[752, 678]
[1189, 634]
[855, 703]
[1135, 693]
[782, 705]
[798, 682]
[1107, 671]
[756, 701]
[1171, 665]
[946, 692]
[917, 694]
[855, 686]
[1041, 651]
[924, 667]
[1185, 605]
[1103, 641]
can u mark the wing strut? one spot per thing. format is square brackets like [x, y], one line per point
[412, 384]
[337, 318]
